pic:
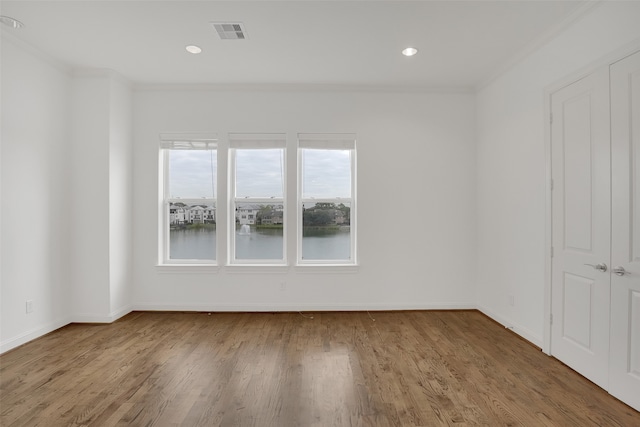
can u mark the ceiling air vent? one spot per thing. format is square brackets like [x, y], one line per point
[230, 30]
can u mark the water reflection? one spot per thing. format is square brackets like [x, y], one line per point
[193, 244]
[257, 244]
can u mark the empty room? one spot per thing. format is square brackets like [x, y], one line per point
[320, 213]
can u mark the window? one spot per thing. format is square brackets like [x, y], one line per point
[326, 202]
[189, 167]
[257, 205]
[254, 223]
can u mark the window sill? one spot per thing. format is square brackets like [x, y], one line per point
[257, 269]
[187, 268]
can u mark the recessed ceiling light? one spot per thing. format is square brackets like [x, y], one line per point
[410, 51]
[11, 22]
[193, 49]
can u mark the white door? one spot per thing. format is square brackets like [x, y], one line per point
[581, 226]
[624, 380]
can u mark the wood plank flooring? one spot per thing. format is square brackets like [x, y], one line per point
[422, 368]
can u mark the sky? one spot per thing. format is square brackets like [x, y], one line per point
[326, 173]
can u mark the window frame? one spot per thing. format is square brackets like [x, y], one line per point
[169, 142]
[327, 142]
[225, 201]
[261, 141]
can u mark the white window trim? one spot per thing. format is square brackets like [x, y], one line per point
[225, 202]
[327, 142]
[254, 142]
[181, 141]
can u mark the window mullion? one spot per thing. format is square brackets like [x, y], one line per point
[231, 193]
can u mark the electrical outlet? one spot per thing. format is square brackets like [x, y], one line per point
[283, 286]
[512, 301]
[29, 306]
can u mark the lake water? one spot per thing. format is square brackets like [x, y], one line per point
[261, 244]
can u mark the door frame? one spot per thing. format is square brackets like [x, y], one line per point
[605, 61]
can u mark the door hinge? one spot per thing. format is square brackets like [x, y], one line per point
[551, 251]
[551, 318]
[551, 184]
[551, 118]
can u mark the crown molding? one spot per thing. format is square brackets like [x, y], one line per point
[7, 35]
[102, 73]
[297, 88]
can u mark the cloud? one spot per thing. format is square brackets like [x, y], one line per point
[259, 173]
[326, 174]
[192, 173]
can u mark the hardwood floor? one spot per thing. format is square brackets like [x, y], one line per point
[423, 368]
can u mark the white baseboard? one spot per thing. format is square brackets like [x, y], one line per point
[92, 318]
[299, 307]
[115, 315]
[112, 317]
[50, 327]
[31, 335]
[523, 332]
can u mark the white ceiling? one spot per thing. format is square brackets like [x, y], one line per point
[461, 44]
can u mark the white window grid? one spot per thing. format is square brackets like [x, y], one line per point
[180, 142]
[255, 142]
[328, 142]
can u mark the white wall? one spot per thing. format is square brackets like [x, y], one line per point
[102, 196]
[511, 164]
[66, 141]
[66, 195]
[120, 197]
[90, 204]
[35, 195]
[416, 153]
